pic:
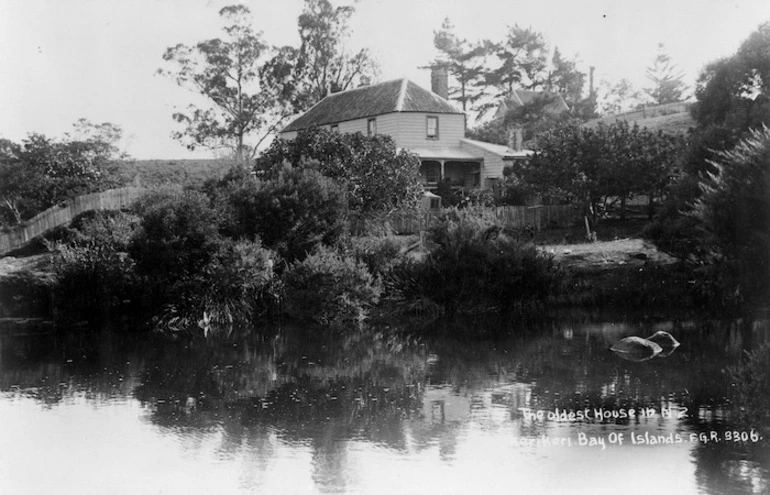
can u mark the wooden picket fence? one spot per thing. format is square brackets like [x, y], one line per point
[64, 213]
[512, 217]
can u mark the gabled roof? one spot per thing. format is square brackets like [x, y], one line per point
[521, 97]
[398, 95]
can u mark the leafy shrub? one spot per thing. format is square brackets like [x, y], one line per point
[329, 287]
[92, 270]
[178, 235]
[90, 277]
[114, 228]
[677, 235]
[371, 224]
[404, 287]
[476, 267]
[449, 197]
[235, 286]
[41, 171]
[375, 174]
[734, 213]
[291, 213]
[514, 194]
[378, 253]
[476, 197]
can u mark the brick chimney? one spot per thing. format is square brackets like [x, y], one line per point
[515, 138]
[439, 82]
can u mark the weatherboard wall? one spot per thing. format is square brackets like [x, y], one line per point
[493, 164]
[408, 129]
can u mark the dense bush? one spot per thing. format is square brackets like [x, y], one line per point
[378, 253]
[236, 285]
[178, 235]
[734, 213]
[672, 231]
[293, 212]
[93, 273]
[593, 166]
[376, 175]
[41, 171]
[476, 197]
[463, 197]
[329, 287]
[476, 267]
[91, 279]
[114, 228]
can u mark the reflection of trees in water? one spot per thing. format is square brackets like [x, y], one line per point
[726, 468]
[325, 392]
[360, 385]
[96, 366]
[310, 389]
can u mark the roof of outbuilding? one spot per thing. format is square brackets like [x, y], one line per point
[398, 95]
[521, 97]
[496, 149]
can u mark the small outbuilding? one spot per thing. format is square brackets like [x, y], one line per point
[430, 201]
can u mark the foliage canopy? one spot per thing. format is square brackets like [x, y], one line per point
[376, 175]
[42, 171]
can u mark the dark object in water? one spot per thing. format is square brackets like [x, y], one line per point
[636, 349]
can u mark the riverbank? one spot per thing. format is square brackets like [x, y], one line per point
[624, 271]
[609, 255]
[25, 286]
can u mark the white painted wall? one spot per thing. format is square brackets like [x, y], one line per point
[408, 129]
[493, 164]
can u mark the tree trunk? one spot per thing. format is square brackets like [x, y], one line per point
[239, 151]
[623, 208]
[650, 206]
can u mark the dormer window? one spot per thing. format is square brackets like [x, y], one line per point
[432, 124]
[371, 127]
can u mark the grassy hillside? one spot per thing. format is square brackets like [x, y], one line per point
[671, 118]
[184, 172]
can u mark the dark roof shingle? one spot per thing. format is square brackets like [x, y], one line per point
[399, 95]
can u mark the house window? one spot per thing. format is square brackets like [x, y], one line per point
[371, 127]
[334, 127]
[432, 127]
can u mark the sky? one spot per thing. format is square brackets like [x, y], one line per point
[62, 60]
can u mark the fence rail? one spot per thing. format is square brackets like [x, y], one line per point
[512, 217]
[64, 213]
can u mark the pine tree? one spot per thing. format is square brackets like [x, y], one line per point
[463, 61]
[566, 78]
[667, 85]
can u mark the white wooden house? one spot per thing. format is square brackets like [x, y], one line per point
[418, 120]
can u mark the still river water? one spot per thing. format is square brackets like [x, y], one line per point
[384, 411]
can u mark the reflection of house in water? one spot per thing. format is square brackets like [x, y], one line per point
[445, 405]
[418, 120]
